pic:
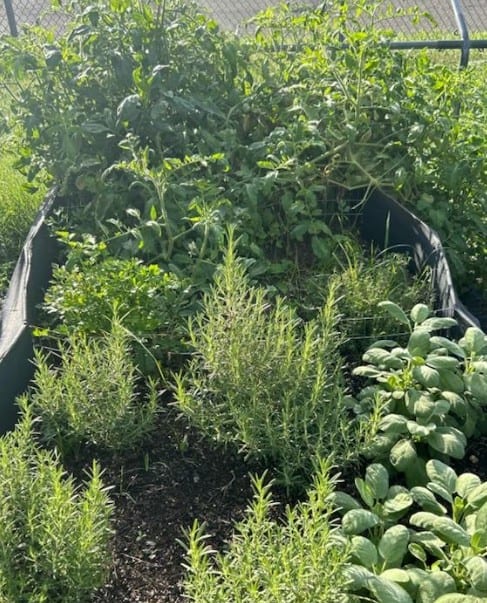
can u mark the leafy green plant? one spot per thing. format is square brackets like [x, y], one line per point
[433, 552]
[361, 283]
[93, 395]
[263, 380]
[54, 536]
[429, 396]
[299, 560]
[91, 287]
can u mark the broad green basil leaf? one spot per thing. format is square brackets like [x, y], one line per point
[398, 504]
[357, 521]
[363, 551]
[395, 311]
[442, 474]
[477, 571]
[477, 384]
[365, 491]
[343, 501]
[419, 313]
[426, 376]
[448, 440]
[393, 545]
[377, 477]
[447, 363]
[357, 576]
[430, 542]
[427, 501]
[478, 496]
[473, 340]
[451, 346]
[481, 518]
[403, 453]
[435, 585]
[419, 343]
[386, 591]
[437, 323]
[447, 529]
[393, 423]
[466, 483]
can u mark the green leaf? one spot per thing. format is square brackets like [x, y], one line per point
[386, 591]
[402, 454]
[418, 551]
[442, 362]
[393, 545]
[363, 551]
[397, 575]
[377, 477]
[481, 518]
[451, 346]
[377, 356]
[466, 483]
[457, 598]
[343, 501]
[447, 529]
[419, 343]
[357, 576]
[419, 313]
[397, 504]
[365, 491]
[430, 542]
[435, 585]
[442, 474]
[395, 311]
[477, 571]
[478, 496]
[426, 376]
[473, 340]
[448, 440]
[477, 384]
[437, 323]
[357, 521]
[452, 382]
[393, 423]
[367, 371]
[427, 501]
[420, 431]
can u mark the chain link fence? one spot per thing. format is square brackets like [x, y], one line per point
[231, 13]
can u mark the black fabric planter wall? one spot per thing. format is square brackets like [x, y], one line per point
[383, 222]
[29, 280]
[387, 224]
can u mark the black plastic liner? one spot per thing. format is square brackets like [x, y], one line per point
[383, 222]
[27, 285]
[388, 225]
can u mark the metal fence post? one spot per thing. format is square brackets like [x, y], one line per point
[9, 9]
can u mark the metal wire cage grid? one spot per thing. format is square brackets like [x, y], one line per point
[231, 13]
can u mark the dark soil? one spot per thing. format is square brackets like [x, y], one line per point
[162, 489]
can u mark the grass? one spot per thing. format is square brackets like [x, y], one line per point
[18, 207]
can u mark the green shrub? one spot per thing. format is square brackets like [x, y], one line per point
[298, 561]
[438, 548]
[426, 397]
[93, 395]
[262, 379]
[54, 537]
[360, 283]
[92, 286]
